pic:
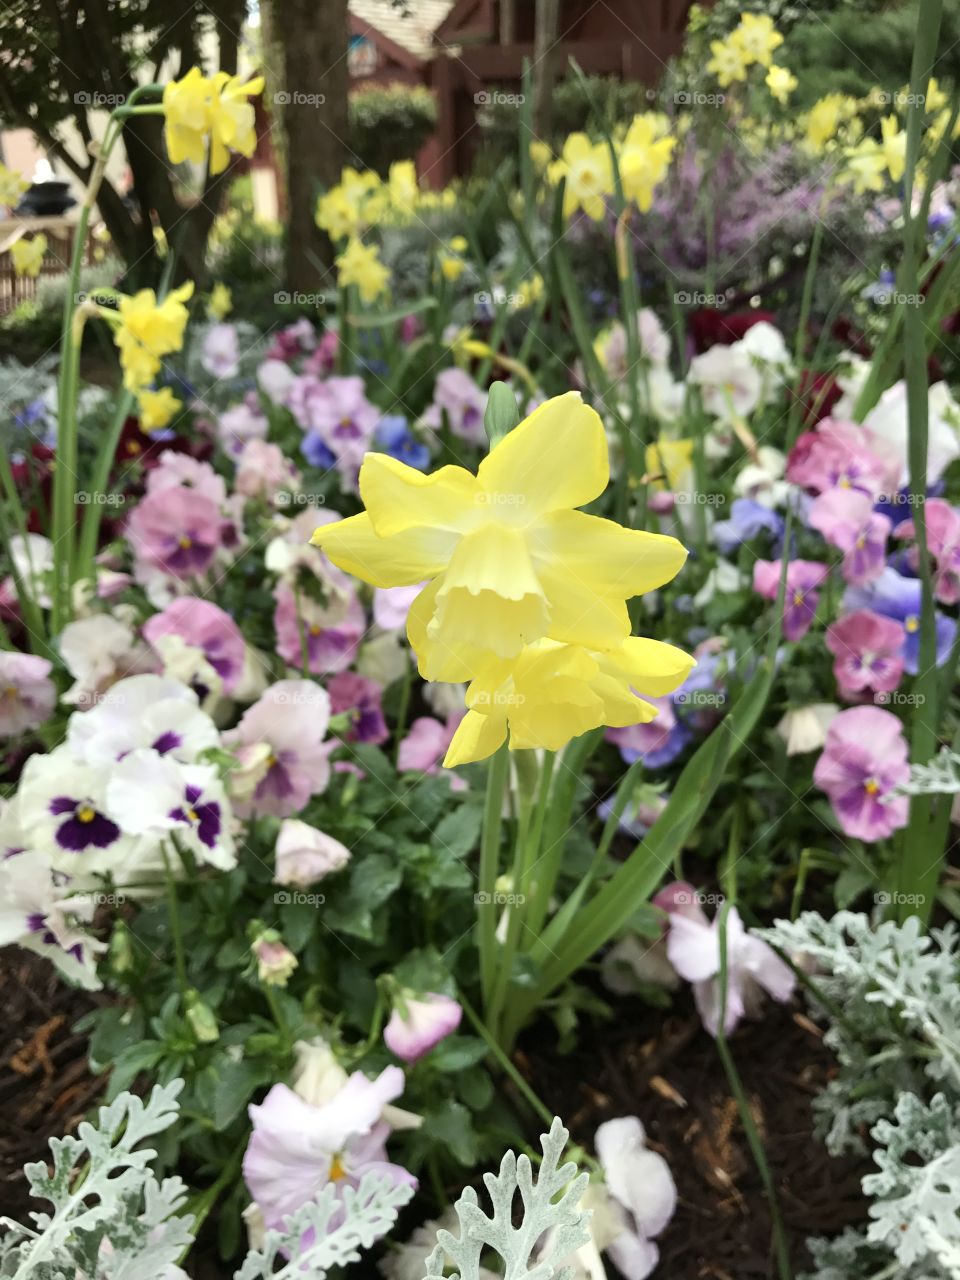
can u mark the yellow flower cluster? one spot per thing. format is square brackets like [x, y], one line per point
[12, 186]
[525, 596]
[643, 158]
[362, 199]
[197, 109]
[451, 258]
[28, 255]
[148, 331]
[360, 265]
[752, 41]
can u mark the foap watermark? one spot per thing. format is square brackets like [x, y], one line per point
[700, 698]
[499, 298]
[697, 499]
[494, 98]
[287, 499]
[685, 299]
[297, 898]
[298, 99]
[894, 298]
[284, 299]
[98, 498]
[896, 698]
[501, 499]
[901, 98]
[98, 100]
[897, 899]
[301, 698]
[498, 699]
[114, 899]
[695, 898]
[901, 499]
[95, 298]
[484, 899]
[694, 98]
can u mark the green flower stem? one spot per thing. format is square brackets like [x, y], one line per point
[200, 1205]
[743, 1106]
[504, 1062]
[497, 772]
[176, 933]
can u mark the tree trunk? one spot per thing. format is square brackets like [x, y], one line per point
[545, 59]
[315, 125]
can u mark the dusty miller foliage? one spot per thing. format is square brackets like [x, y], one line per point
[891, 995]
[112, 1219]
[940, 776]
[551, 1204]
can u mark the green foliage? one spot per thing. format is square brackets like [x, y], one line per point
[389, 122]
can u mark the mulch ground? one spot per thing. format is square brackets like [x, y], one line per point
[662, 1068]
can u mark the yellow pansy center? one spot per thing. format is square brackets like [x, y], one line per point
[912, 623]
[798, 597]
[185, 542]
[85, 813]
[871, 786]
[337, 1170]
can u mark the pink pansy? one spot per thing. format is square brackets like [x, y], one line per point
[943, 543]
[643, 1195]
[263, 470]
[457, 395]
[337, 411]
[241, 424]
[847, 520]
[804, 578]
[867, 650]
[27, 694]
[205, 626]
[419, 1023]
[293, 341]
[864, 758]
[841, 455]
[426, 744]
[276, 379]
[304, 855]
[220, 355]
[392, 604]
[360, 697]
[327, 633]
[175, 531]
[693, 947]
[291, 718]
[180, 471]
[323, 360]
[296, 1149]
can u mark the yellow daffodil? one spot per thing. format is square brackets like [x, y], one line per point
[12, 185]
[540, 154]
[756, 37]
[781, 83]
[355, 203]
[148, 331]
[826, 116]
[507, 558]
[728, 63]
[936, 99]
[645, 159]
[336, 214]
[894, 146]
[220, 301]
[402, 185]
[27, 255]
[866, 166]
[451, 259]
[553, 692]
[673, 460]
[197, 109]
[531, 290]
[589, 176]
[157, 408]
[360, 264]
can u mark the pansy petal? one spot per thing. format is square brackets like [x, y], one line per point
[399, 561]
[557, 457]
[398, 497]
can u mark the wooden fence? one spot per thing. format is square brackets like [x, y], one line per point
[60, 232]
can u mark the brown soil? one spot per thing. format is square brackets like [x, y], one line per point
[666, 1070]
[661, 1067]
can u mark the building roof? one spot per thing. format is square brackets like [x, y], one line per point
[412, 29]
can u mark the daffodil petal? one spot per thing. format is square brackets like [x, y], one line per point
[400, 561]
[650, 666]
[398, 497]
[579, 613]
[612, 560]
[557, 457]
[477, 737]
[439, 659]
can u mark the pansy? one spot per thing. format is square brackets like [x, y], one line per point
[943, 543]
[38, 911]
[153, 795]
[336, 414]
[419, 1022]
[868, 652]
[320, 635]
[220, 353]
[264, 471]
[62, 807]
[693, 948]
[804, 578]
[898, 597]
[887, 421]
[207, 627]
[175, 531]
[641, 1197]
[359, 698]
[426, 743]
[748, 520]
[510, 560]
[236, 427]
[552, 692]
[296, 1149]
[27, 694]
[458, 399]
[303, 854]
[291, 719]
[841, 455]
[804, 729]
[729, 382]
[395, 438]
[97, 651]
[657, 742]
[847, 520]
[391, 605]
[864, 759]
[142, 711]
[176, 470]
